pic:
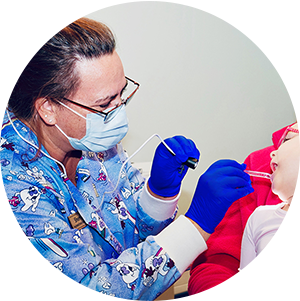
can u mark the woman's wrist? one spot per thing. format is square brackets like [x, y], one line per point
[204, 234]
[161, 197]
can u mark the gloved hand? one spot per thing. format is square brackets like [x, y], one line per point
[166, 173]
[223, 183]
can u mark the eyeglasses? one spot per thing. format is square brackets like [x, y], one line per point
[288, 129]
[108, 115]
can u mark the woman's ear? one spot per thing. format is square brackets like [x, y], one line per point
[46, 109]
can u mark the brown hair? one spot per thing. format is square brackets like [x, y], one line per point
[51, 73]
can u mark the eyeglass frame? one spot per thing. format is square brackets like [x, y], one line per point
[106, 114]
[288, 129]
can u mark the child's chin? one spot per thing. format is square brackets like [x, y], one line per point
[281, 197]
[276, 192]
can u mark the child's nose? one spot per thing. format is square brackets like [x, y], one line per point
[273, 154]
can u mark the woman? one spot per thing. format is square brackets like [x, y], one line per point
[62, 167]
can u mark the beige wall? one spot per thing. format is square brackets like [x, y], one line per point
[222, 73]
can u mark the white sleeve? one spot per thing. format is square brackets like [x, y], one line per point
[248, 249]
[158, 209]
[182, 241]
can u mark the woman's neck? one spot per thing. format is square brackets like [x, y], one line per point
[57, 147]
[70, 163]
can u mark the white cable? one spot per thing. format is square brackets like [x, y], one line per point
[64, 174]
[125, 162]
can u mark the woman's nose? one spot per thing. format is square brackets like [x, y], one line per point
[117, 101]
[114, 104]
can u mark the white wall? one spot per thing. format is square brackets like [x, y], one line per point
[200, 77]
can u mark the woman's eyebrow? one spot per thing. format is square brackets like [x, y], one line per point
[124, 87]
[110, 98]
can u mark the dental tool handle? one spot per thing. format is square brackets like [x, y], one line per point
[258, 174]
[190, 162]
[168, 170]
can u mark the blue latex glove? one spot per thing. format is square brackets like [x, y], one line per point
[223, 183]
[166, 173]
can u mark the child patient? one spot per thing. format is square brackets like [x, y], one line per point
[270, 253]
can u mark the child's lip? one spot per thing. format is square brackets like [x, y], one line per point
[273, 166]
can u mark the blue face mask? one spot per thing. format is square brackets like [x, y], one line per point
[100, 136]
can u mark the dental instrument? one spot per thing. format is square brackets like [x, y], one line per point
[258, 174]
[190, 162]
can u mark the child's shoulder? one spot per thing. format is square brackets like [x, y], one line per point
[265, 210]
[264, 213]
[269, 208]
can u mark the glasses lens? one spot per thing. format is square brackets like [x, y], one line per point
[112, 114]
[128, 92]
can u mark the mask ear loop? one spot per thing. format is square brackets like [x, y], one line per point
[64, 173]
[126, 161]
[64, 105]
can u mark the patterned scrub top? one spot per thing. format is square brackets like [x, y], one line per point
[97, 235]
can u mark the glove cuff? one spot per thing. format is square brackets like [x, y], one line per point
[166, 192]
[201, 222]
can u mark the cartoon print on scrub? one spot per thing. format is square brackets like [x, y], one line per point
[46, 243]
[129, 273]
[103, 176]
[30, 197]
[135, 187]
[49, 229]
[122, 212]
[105, 232]
[38, 176]
[102, 171]
[152, 267]
[126, 193]
[115, 205]
[155, 265]
[88, 270]
[77, 236]
[83, 174]
[106, 285]
[89, 198]
[52, 234]
[99, 222]
[45, 182]
[6, 145]
[27, 199]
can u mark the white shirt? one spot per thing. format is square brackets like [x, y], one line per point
[270, 254]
